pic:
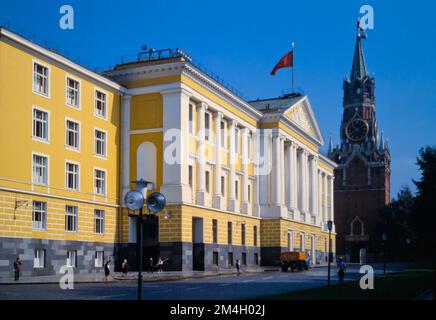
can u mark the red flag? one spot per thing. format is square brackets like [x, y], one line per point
[286, 61]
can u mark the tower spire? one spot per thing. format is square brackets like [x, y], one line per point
[358, 70]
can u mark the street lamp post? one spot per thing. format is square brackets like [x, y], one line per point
[330, 227]
[135, 200]
[384, 238]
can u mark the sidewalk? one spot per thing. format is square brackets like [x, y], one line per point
[130, 277]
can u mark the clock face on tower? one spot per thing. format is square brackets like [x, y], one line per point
[356, 130]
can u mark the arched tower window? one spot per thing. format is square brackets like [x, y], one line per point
[357, 227]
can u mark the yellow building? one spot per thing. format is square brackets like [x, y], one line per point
[243, 180]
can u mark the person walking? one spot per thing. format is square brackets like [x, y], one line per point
[125, 268]
[107, 270]
[159, 265]
[238, 266]
[17, 267]
[150, 265]
[341, 271]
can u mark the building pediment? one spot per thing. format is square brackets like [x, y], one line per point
[301, 115]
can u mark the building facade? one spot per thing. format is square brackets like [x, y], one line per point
[362, 178]
[243, 180]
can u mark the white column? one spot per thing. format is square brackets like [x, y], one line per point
[324, 185]
[245, 161]
[331, 186]
[314, 185]
[232, 203]
[300, 169]
[126, 146]
[305, 194]
[294, 172]
[282, 170]
[276, 174]
[175, 184]
[217, 197]
[201, 156]
[288, 176]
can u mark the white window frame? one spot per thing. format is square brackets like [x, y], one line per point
[302, 242]
[104, 143]
[99, 216]
[237, 131]
[191, 116]
[207, 180]
[78, 175]
[39, 259]
[47, 169]
[291, 243]
[75, 219]
[39, 225]
[104, 186]
[79, 89]
[208, 131]
[223, 134]
[79, 136]
[72, 258]
[34, 137]
[249, 146]
[47, 95]
[99, 260]
[96, 100]
[223, 185]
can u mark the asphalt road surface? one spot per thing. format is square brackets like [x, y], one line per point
[232, 287]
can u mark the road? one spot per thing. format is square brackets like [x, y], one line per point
[232, 287]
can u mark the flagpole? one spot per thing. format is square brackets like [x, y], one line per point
[292, 49]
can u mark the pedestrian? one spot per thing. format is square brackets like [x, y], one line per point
[238, 266]
[17, 267]
[159, 265]
[341, 271]
[107, 270]
[150, 265]
[125, 267]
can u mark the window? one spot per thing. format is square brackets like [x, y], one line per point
[236, 189]
[244, 258]
[207, 126]
[215, 231]
[229, 232]
[255, 235]
[40, 170]
[223, 185]
[256, 259]
[215, 258]
[100, 143]
[99, 258]
[290, 241]
[302, 242]
[72, 258]
[72, 134]
[40, 79]
[99, 221]
[190, 177]
[230, 258]
[100, 104]
[207, 176]
[100, 182]
[223, 134]
[39, 215]
[72, 176]
[73, 93]
[40, 124]
[191, 118]
[249, 193]
[39, 259]
[236, 140]
[243, 234]
[71, 217]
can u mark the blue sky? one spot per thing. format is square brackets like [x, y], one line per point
[242, 40]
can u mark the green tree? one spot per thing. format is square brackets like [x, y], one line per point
[423, 218]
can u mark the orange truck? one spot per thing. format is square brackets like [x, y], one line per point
[293, 260]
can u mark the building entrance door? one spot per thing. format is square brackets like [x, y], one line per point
[197, 244]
